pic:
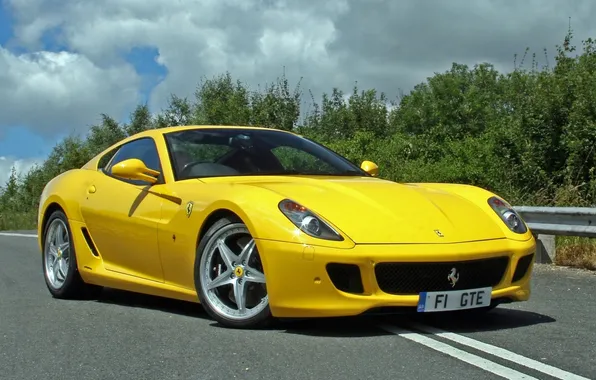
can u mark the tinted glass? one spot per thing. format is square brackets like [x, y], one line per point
[236, 152]
[105, 160]
[143, 149]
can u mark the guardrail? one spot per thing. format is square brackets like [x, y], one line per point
[548, 222]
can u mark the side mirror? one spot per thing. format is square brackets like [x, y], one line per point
[134, 169]
[370, 167]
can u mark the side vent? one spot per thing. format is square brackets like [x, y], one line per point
[89, 242]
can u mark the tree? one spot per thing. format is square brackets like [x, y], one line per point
[141, 120]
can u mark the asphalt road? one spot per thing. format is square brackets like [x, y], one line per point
[129, 336]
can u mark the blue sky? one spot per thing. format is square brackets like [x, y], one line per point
[16, 141]
[19, 142]
[5, 24]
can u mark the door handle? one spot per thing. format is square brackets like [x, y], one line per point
[91, 189]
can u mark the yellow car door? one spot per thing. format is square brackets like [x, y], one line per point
[122, 216]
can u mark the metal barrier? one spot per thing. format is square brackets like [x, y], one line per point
[548, 222]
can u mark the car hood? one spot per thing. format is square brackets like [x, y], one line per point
[372, 210]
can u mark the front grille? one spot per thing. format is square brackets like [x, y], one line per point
[414, 278]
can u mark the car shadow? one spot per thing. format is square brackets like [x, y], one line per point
[336, 327]
[501, 318]
[144, 301]
[361, 326]
[496, 320]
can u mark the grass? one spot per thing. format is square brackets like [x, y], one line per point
[18, 221]
[576, 252]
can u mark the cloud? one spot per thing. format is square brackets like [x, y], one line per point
[253, 39]
[22, 166]
[51, 92]
[384, 44]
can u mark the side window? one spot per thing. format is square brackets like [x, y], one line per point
[104, 161]
[143, 149]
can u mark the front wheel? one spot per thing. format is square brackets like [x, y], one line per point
[229, 276]
[59, 259]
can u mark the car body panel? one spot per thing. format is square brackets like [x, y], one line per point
[376, 211]
[143, 238]
[123, 221]
[299, 284]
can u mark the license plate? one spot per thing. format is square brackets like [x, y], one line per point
[454, 300]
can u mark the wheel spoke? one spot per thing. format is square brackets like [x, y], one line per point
[63, 268]
[51, 269]
[253, 275]
[53, 252]
[64, 247]
[221, 280]
[247, 252]
[240, 295]
[59, 237]
[58, 274]
[226, 254]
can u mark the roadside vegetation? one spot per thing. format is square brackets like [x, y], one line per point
[528, 135]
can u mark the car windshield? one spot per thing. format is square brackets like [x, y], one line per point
[218, 152]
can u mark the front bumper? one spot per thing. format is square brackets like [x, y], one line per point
[314, 281]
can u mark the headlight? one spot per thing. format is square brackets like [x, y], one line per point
[307, 221]
[508, 215]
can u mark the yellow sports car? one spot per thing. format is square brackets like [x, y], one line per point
[257, 223]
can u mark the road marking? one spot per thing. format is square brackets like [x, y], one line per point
[477, 361]
[500, 353]
[17, 235]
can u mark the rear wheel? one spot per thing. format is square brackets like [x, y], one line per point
[229, 276]
[60, 262]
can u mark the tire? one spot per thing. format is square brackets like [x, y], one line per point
[221, 302]
[57, 230]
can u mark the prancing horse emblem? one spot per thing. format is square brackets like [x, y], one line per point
[453, 277]
[439, 234]
[189, 207]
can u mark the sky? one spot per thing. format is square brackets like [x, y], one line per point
[63, 63]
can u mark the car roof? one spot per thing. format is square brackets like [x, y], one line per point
[165, 130]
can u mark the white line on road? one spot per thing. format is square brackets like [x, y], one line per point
[480, 362]
[500, 352]
[17, 235]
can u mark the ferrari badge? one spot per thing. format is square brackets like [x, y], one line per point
[189, 207]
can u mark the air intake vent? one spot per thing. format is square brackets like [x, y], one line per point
[522, 267]
[345, 277]
[89, 242]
